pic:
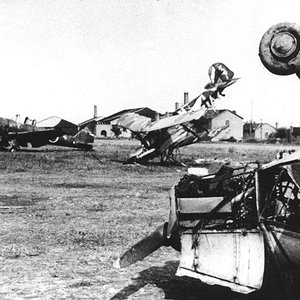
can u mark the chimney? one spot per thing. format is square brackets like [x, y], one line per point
[156, 116]
[276, 125]
[176, 105]
[95, 111]
[185, 97]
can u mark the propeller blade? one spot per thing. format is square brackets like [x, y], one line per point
[143, 248]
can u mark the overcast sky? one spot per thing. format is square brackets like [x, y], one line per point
[62, 57]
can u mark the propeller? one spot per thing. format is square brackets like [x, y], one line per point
[143, 248]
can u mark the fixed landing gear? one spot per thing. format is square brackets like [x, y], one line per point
[13, 146]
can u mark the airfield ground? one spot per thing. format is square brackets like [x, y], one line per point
[66, 215]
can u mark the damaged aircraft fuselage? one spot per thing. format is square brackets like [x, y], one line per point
[14, 134]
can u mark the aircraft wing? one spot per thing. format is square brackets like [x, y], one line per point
[137, 123]
[287, 160]
[175, 120]
[134, 122]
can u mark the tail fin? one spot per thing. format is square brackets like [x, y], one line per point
[218, 72]
[220, 77]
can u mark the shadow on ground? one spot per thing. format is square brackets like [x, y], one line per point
[177, 288]
[185, 288]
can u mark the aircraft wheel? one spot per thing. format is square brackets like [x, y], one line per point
[54, 141]
[279, 49]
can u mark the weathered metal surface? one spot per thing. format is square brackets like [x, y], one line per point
[203, 205]
[172, 213]
[143, 248]
[286, 160]
[233, 258]
[221, 223]
[286, 247]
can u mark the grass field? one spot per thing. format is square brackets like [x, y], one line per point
[66, 215]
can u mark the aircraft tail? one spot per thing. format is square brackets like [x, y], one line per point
[220, 78]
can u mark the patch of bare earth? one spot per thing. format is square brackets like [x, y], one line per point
[66, 215]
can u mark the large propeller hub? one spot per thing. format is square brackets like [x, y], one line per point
[279, 49]
[283, 44]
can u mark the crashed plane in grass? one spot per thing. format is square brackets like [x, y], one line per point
[186, 126]
[51, 131]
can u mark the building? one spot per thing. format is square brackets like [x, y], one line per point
[225, 118]
[105, 127]
[295, 134]
[258, 131]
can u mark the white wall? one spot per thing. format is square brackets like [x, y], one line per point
[100, 128]
[263, 131]
[235, 128]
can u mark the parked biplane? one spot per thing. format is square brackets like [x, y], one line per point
[186, 125]
[52, 131]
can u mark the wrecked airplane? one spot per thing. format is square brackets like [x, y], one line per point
[186, 125]
[225, 224]
[52, 131]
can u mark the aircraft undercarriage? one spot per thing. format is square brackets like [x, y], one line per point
[8, 145]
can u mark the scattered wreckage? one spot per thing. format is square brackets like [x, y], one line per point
[224, 224]
[230, 225]
[186, 125]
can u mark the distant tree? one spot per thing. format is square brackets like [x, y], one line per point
[116, 130]
[272, 138]
[282, 133]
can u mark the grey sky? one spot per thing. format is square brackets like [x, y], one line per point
[62, 57]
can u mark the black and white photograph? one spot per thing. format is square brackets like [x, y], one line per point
[150, 149]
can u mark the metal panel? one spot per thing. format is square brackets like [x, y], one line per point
[234, 259]
[201, 205]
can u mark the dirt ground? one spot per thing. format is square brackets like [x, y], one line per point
[66, 215]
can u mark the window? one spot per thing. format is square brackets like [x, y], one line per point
[227, 122]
